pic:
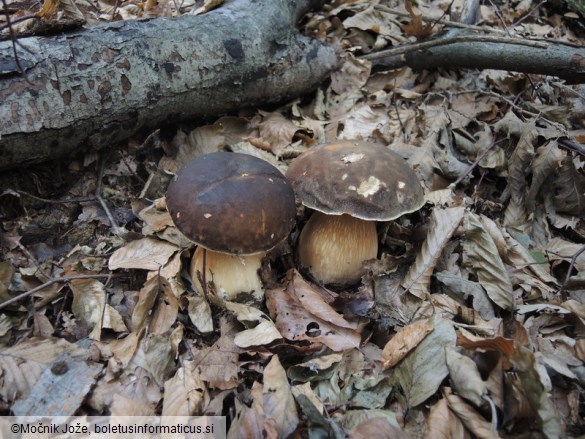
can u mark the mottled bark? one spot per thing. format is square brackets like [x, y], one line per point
[95, 87]
[554, 59]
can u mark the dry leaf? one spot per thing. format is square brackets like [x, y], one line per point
[377, 427]
[548, 159]
[263, 331]
[200, 314]
[481, 255]
[443, 423]
[464, 289]
[403, 342]
[123, 406]
[472, 420]
[525, 369]
[569, 189]
[155, 354]
[518, 166]
[561, 250]
[307, 391]
[49, 9]
[71, 10]
[154, 220]
[465, 377]
[375, 20]
[113, 320]
[278, 401]
[124, 348]
[23, 363]
[185, 393]
[60, 389]
[218, 365]
[207, 6]
[89, 302]
[444, 223]
[423, 370]
[145, 254]
[276, 131]
[363, 122]
[415, 27]
[295, 322]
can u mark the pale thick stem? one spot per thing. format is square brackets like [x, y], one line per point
[334, 248]
[230, 275]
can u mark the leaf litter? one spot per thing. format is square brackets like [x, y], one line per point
[472, 321]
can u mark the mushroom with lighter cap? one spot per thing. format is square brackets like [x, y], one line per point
[236, 207]
[350, 185]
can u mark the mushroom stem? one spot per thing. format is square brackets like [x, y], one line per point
[231, 275]
[334, 247]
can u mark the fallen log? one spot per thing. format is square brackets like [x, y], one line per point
[96, 87]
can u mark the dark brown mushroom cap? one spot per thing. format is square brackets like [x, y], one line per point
[232, 203]
[364, 180]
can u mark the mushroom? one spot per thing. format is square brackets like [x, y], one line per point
[236, 207]
[350, 185]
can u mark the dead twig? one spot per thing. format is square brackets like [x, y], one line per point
[45, 200]
[13, 39]
[572, 146]
[116, 229]
[51, 282]
[571, 266]
[32, 259]
[19, 20]
[473, 165]
[452, 40]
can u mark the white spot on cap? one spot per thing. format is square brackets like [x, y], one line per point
[350, 158]
[352, 188]
[369, 187]
[178, 215]
[343, 177]
[401, 185]
[207, 215]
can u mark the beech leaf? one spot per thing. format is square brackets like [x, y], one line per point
[89, 301]
[465, 377]
[279, 402]
[569, 189]
[473, 421]
[444, 222]
[481, 255]
[145, 254]
[421, 373]
[525, 366]
[548, 159]
[301, 313]
[403, 342]
[185, 393]
[463, 288]
[518, 169]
